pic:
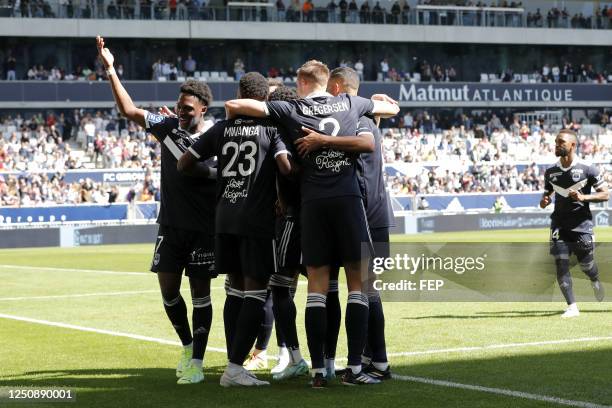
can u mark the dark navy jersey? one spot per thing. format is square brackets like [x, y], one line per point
[325, 173]
[371, 180]
[246, 149]
[580, 176]
[186, 202]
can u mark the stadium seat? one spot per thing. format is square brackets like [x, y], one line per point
[214, 75]
[205, 75]
[484, 78]
[516, 78]
[162, 79]
[223, 75]
[493, 78]
[524, 78]
[416, 77]
[196, 74]
[180, 79]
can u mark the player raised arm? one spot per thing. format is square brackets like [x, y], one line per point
[601, 195]
[245, 107]
[122, 98]
[313, 141]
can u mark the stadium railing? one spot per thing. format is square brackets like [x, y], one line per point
[268, 12]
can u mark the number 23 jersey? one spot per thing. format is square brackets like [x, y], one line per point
[246, 149]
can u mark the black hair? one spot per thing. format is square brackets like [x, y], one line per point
[253, 85]
[283, 93]
[199, 89]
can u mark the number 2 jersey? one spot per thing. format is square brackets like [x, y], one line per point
[326, 172]
[246, 149]
[579, 176]
[186, 202]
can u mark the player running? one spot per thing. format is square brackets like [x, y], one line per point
[186, 218]
[571, 229]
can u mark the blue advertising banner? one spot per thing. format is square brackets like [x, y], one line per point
[439, 94]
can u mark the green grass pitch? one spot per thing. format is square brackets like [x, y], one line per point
[446, 354]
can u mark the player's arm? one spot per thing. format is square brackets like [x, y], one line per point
[548, 190]
[245, 107]
[313, 141]
[596, 180]
[122, 98]
[190, 165]
[602, 194]
[191, 162]
[384, 106]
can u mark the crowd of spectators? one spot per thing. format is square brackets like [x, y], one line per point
[435, 154]
[342, 11]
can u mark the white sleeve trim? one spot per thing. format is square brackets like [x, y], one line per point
[287, 152]
[195, 154]
[365, 132]
[266, 110]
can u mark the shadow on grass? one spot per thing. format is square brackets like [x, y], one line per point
[503, 314]
[543, 374]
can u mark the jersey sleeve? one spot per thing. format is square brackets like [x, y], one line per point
[280, 111]
[364, 126]
[547, 186]
[278, 145]
[595, 178]
[206, 145]
[362, 105]
[157, 125]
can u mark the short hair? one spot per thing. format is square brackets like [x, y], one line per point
[283, 93]
[275, 81]
[253, 85]
[199, 89]
[347, 76]
[568, 132]
[314, 71]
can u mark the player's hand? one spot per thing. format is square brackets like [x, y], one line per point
[104, 53]
[384, 98]
[575, 195]
[311, 142]
[545, 201]
[167, 112]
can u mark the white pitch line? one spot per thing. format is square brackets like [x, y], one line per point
[102, 331]
[78, 295]
[98, 271]
[498, 346]
[500, 391]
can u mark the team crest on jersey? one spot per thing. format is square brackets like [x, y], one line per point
[153, 118]
[576, 177]
[156, 260]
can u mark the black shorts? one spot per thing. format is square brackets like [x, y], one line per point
[564, 243]
[380, 242]
[288, 245]
[178, 250]
[253, 257]
[332, 229]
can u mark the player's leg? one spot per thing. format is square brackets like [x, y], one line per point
[318, 248]
[227, 263]
[258, 358]
[200, 270]
[560, 250]
[285, 315]
[376, 345]
[352, 230]
[584, 250]
[334, 318]
[169, 260]
[257, 263]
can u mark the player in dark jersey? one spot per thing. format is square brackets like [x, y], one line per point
[379, 215]
[249, 150]
[332, 217]
[186, 217]
[571, 229]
